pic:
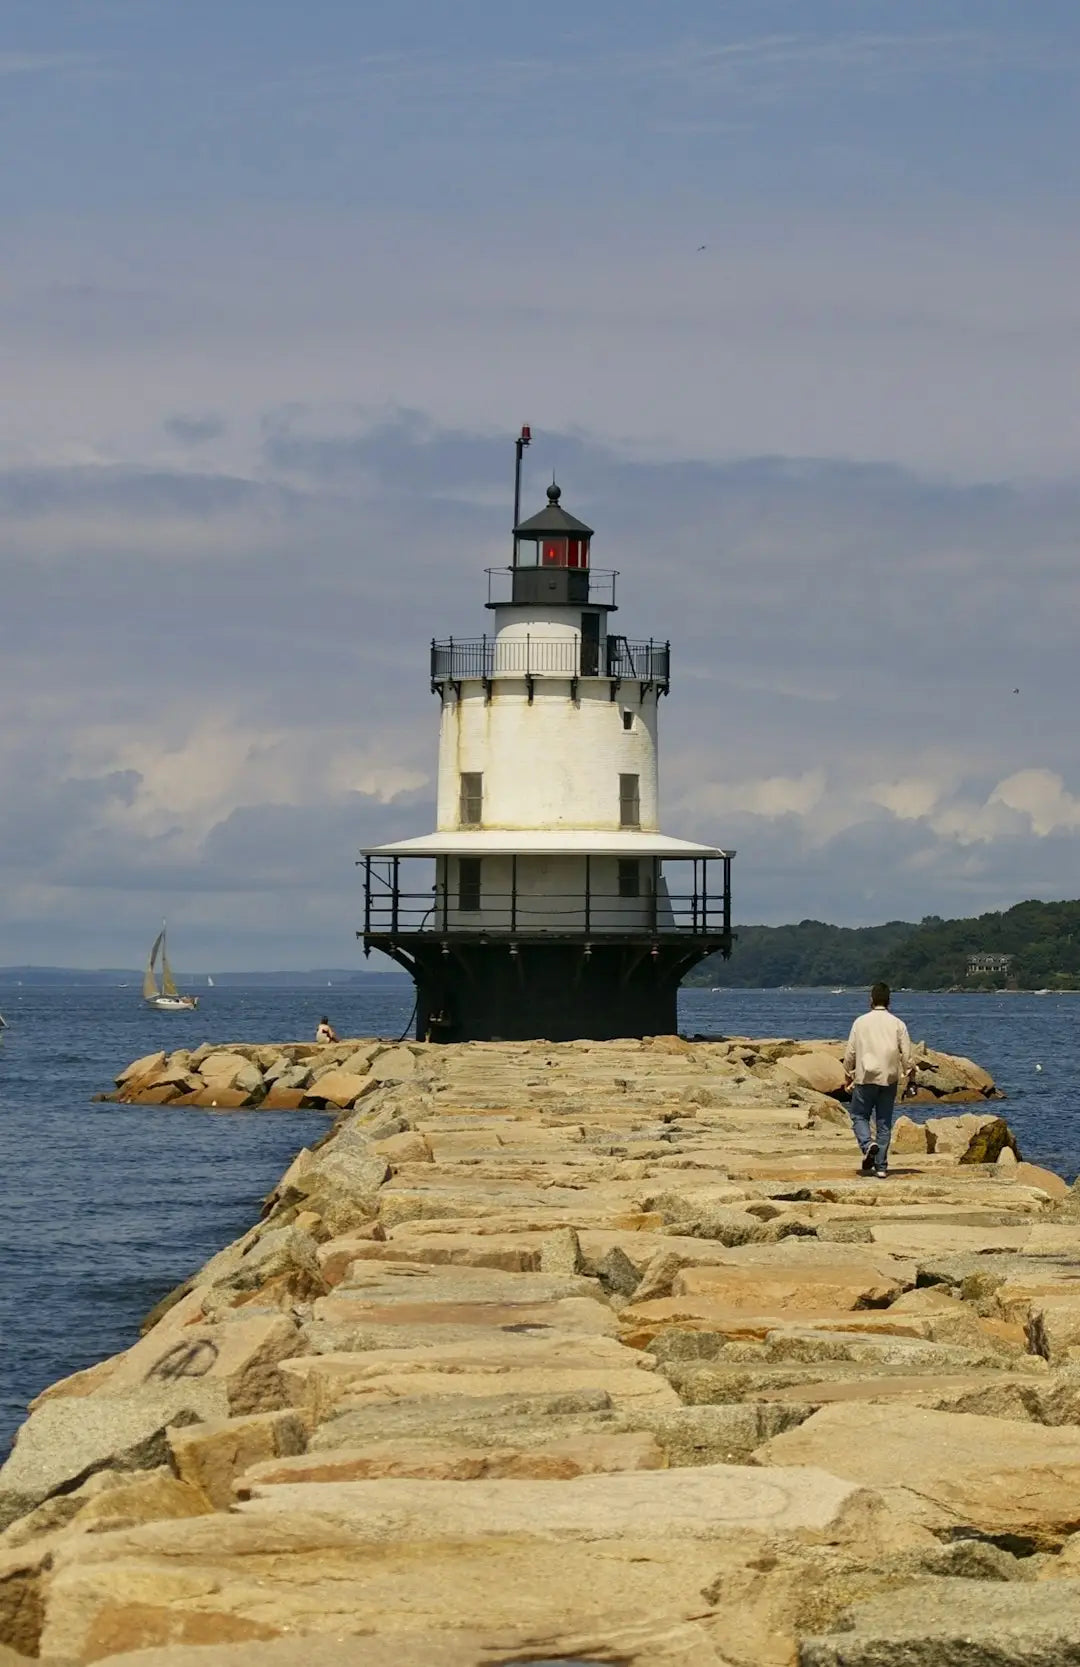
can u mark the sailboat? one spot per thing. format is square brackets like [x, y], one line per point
[210, 981]
[168, 998]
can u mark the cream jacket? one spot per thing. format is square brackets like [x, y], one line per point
[879, 1048]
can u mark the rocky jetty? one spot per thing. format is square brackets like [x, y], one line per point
[288, 1076]
[598, 1353]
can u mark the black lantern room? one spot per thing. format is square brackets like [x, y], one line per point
[551, 556]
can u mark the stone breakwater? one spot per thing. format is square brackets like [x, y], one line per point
[596, 1353]
[338, 1076]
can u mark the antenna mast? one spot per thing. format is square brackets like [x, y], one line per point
[523, 439]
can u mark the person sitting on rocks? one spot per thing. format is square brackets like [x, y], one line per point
[324, 1031]
[878, 1054]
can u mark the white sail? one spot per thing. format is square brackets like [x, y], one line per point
[149, 983]
[210, 981]
[167, 998]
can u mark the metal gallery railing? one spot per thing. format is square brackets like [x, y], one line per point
[616, 658]
[393, 909]
[595, 585]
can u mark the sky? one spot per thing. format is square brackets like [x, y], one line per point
[788, 292]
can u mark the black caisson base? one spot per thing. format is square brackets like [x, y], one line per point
[558, 991]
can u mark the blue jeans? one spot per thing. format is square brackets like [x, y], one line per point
[876, 1100]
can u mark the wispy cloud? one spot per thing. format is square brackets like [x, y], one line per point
[195, 429]
[746, 71]
[53, 63]
[849, 51]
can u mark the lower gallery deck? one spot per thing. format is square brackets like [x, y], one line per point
[514, 945]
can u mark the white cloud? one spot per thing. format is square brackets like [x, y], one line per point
[1032, 802]
[909, 799]
[768, 796]
[1042, 797]
[194, 770]
[968, 821]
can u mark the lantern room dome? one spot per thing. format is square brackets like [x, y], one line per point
[553, 519]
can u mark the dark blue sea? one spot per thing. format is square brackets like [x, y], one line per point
[107, 1207]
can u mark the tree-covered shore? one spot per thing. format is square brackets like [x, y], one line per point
[1042, 939]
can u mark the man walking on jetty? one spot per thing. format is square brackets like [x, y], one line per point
[878, 1055]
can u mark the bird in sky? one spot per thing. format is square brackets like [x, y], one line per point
[701, 247]
[1016, 691]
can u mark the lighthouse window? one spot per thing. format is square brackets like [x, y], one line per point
[469, 884]
[627, 720]
[471, 806]
[629, 801]
[629, 877]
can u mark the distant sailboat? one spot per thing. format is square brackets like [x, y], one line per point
[168, 998]
[210, 981]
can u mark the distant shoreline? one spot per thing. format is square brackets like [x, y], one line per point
[125, 977]
[901, 990]
[1033, 946]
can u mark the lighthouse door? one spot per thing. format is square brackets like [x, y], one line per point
[590, 645]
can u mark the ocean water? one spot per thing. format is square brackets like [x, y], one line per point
[106, 1207]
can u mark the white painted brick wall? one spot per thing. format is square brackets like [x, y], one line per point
[552, 764]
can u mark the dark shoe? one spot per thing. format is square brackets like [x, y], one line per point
[869, 1159]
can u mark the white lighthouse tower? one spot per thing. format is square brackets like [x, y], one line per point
[548, 903]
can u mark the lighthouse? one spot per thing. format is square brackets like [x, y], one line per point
[548, 903]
